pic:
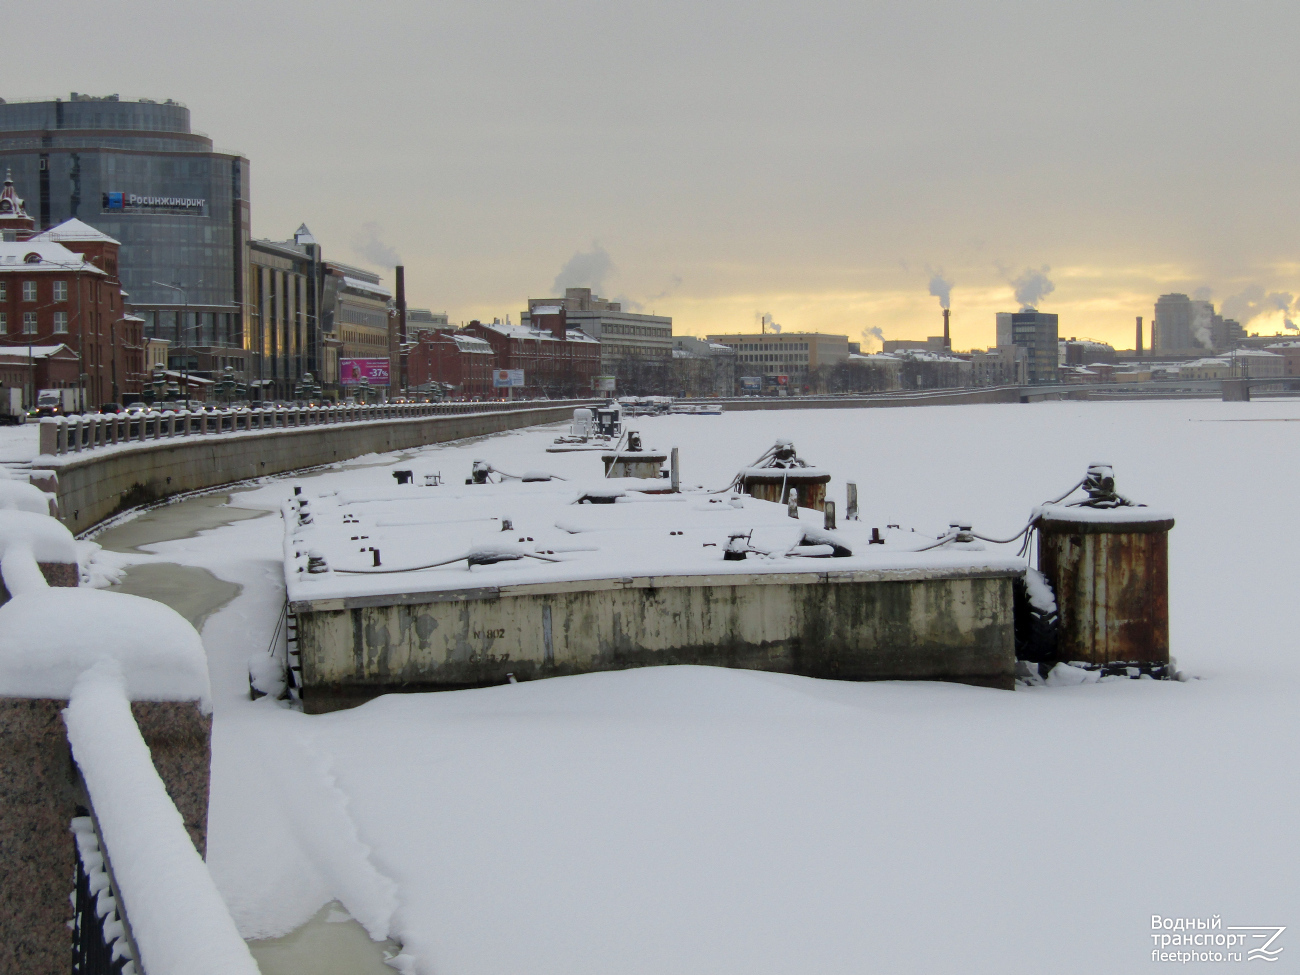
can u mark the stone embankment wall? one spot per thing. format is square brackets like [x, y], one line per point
[946, 397]
[95, 484]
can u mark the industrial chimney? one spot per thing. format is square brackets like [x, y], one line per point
[399, 367]
[1139, 337]
[947, 339]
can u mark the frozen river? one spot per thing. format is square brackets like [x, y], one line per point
[710, 821]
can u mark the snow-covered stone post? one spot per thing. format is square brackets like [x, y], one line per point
[51, 634]
[49, 434]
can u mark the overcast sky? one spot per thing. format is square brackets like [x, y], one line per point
[821, 162]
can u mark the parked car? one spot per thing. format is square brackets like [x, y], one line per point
[110, 408]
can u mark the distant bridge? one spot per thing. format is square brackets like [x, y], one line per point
[1230, 390]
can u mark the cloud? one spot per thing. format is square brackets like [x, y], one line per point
[874, 334]
[673, 285]
[584, 270]
[369, 244]
[1032, 286]
[1203, 293]
[1254, 302]
[941, 288]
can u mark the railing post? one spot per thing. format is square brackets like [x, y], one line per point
[49, 435]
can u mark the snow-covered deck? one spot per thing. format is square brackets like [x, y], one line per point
[457, 585]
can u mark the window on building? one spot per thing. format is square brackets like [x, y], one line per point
[60, 291]
[4, 290]
[29, 291]
[29, 323]
[4, 321]
[61, 322]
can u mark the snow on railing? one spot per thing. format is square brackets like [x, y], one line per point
[162, 889]
[80, 432]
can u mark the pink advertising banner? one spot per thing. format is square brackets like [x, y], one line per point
[374, 371]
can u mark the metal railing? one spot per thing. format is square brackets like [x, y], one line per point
[101, 937]
[81, 432]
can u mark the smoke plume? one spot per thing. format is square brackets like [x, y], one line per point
[369, 244]
[584, 270]
[875, 334]
[1033, 286]
[1202, 319]
[941, 288]
[1255, 302]
[768, 324]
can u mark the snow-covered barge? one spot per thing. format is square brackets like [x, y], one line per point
[427, 586]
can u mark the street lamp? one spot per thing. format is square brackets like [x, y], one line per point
[185, 353]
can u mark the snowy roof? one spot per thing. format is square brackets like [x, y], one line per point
[35, 351]
[472, 343]
[356, 284]
[26, 256]
[74, 229]
[536, 334]
[546, 310]
[673, 538]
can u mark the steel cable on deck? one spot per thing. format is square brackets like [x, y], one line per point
[437, 565]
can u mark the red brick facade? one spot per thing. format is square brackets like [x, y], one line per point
[556, 361]
[61, 288]
[462, 361]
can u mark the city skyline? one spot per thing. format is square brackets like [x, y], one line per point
[819, 165]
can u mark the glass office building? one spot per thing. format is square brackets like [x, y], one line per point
[135, 170]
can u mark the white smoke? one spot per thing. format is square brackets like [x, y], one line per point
[874, 334]
[584, 270]
[1032, 286]
[768, 324]
[1255, 302]
[1202, 319]
[369, 244]
[941, 288]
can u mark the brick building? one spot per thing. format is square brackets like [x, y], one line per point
[61, 287]
[33, 367]
[557, 360]
[457, 360]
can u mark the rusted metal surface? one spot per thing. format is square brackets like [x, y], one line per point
[776, 487]
[1112, 588]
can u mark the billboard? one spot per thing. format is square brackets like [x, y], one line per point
[373, 371]
[751, 384]
[505, 378]
[131, 203]
[605, 384]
